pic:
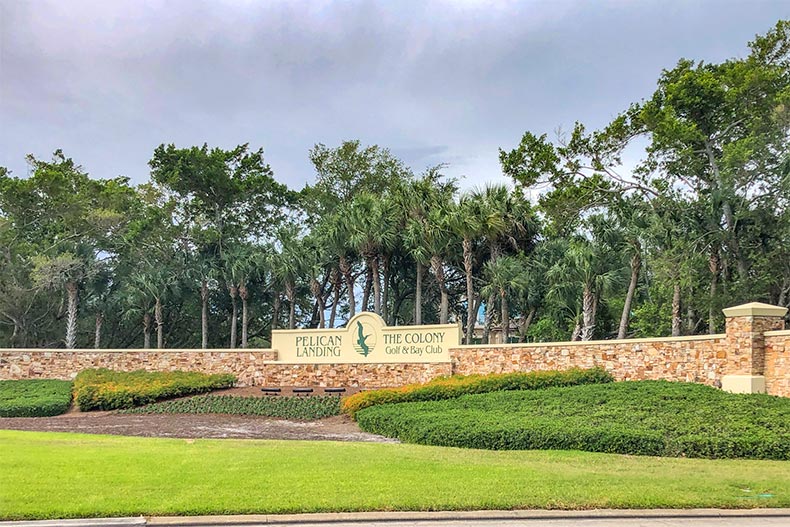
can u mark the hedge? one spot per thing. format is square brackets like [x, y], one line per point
[301, 408]
[458, 385]
[34, 397]
[103, 389]
[657, 418]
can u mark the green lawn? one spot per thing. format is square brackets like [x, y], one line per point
[49, 475]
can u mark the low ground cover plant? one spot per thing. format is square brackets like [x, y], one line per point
[103, 389]
[301, 408]
[458, 385]
[656, 418]
[34, 397]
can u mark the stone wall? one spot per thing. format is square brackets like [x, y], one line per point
[65, 364]
[693, 359]
[777, 363]
[753, 355]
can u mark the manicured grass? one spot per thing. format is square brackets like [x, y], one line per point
[645, 418]
[103, 389]
[34, 398]
[301, 408]
[54, 475]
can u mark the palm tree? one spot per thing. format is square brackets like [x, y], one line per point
[287, 264]
[416, 199]
[335, 232]
[439, 239]
[200, 267]
[467, 223]
[373, 230]
[505, 277]
[507, 225]
[314, 264]
[68, 271]
[588, 265]
[100, 298]
[240, 262]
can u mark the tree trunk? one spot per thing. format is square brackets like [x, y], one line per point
[505, 317]
[97, 331]
[489, 317]
[527, 323]
[345, 269]
[204, 314]
[160, 335]
[636, 264]
[71, 319]
[290, 292]
[336, 297]
[577, 330]
[276, 310]
[234, 316]
[588, 313]
[146, 331]
[676, 309]
[418, 295]
[367, 290]
[470, 289]
[315, 288]
[438, 270]
[245, 316]
[385, 295]
[713, 266]
[376, 276]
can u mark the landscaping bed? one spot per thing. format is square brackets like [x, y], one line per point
[34, 397]
[103, 389]
[195, 426]
[657, 418]
[293, 407]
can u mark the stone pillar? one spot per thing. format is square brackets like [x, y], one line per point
[746, 326]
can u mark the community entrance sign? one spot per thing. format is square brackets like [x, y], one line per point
[366, 339]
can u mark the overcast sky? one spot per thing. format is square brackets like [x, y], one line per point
[107, 81]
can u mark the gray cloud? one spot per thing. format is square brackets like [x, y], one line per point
[435, 82]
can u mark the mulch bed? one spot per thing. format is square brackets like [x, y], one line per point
[193, 426]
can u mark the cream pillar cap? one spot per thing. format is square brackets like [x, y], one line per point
[755, 309]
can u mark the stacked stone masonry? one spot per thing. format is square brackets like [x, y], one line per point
[777, 363]
[755, 344]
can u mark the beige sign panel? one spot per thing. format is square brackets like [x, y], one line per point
[366, 339]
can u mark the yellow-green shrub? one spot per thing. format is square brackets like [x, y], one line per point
[458, 385]
[103, 389]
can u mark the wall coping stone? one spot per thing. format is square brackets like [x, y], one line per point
[778, 333]
[135, 350]
[720, 336]
[755, 309]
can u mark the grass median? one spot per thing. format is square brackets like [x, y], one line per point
[54, 475]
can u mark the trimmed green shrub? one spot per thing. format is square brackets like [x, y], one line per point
[34, 397]
[104, 389]
[458, 385]
[656, 418]
[301, 408]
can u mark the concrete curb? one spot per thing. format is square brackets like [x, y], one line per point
[359, 517]
[352, 517]
[87, 522]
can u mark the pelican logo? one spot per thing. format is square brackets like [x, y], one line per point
[365, 339]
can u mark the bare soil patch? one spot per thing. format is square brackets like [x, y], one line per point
[339, 428]
[193, 426]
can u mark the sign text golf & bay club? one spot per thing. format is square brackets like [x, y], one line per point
[366, 339]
